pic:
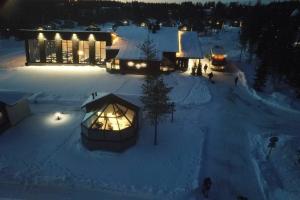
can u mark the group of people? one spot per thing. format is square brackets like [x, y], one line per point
[206, 185]
[197, 71]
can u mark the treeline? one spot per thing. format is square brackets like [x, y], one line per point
[272, 33]
[32, 14]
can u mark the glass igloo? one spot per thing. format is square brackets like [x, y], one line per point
[111, 117]
[110, 123]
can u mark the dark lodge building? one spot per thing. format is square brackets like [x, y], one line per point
[118, 51]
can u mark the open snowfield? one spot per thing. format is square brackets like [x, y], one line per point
[49, 153]
[220, 130]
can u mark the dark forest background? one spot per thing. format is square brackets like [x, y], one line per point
[270, 32]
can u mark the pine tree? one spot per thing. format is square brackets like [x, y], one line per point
[199, 69]
[260, 77]
[149, 51]
[156, 101]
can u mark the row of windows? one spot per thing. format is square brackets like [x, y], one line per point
[52, 49]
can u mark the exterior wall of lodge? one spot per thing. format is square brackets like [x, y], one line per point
[46, 47]
[4, 120]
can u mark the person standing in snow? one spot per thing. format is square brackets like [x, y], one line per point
[194, 69]
[199, 70]
[210, 76]
[206, 186]
[236, 80]
[205, 68]
[240, 197]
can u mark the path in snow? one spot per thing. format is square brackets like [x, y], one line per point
[227, 156]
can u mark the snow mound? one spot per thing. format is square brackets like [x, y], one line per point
[278, 175]
[199, 94]
[276, 99]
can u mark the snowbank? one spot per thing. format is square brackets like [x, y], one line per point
[279, 176]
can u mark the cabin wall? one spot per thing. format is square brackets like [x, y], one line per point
[169, 58]
[154, 67]
[18, 112]
[182, 64]
[37, 52]
[4, 121]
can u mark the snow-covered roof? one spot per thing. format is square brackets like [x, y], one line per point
[295, 12]
[133, 99]
[131, 37]
[190, 46]
[9, 97]
[218, 50]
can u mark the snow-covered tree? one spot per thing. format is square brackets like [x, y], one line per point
[149, 51]
[156, 101]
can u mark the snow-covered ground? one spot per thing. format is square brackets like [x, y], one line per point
[220, 131]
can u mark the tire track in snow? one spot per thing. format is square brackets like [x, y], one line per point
[189, 92]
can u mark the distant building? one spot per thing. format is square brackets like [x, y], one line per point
[14, 107]
[118, 51]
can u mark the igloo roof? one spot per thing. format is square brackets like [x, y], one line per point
[110, 117]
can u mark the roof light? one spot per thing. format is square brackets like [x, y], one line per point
[91, 37]
[74, 36]
[57, 36]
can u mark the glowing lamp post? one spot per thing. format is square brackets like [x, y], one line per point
[57, 116]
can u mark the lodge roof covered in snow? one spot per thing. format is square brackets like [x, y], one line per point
[131, 37]
[189, 44]
[166, 39]
[218, 50]
[11, 98]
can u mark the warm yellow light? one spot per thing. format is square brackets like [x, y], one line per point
[179, 43]
[57, 36]
[218, 57]
[74, 36]
[138, 66]
[143, 64]
[184, 28]
[80, 53]
[130, 64]
[143, 24]
[92, 37]
[57, 116]
[41, 36]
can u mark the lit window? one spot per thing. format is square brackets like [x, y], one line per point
[138, 66]
[130, 64]
[112, 117]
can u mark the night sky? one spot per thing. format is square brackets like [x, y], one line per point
[156, 1]
[224, 1]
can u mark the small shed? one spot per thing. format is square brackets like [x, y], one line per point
[14, 107]
[111, 122]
